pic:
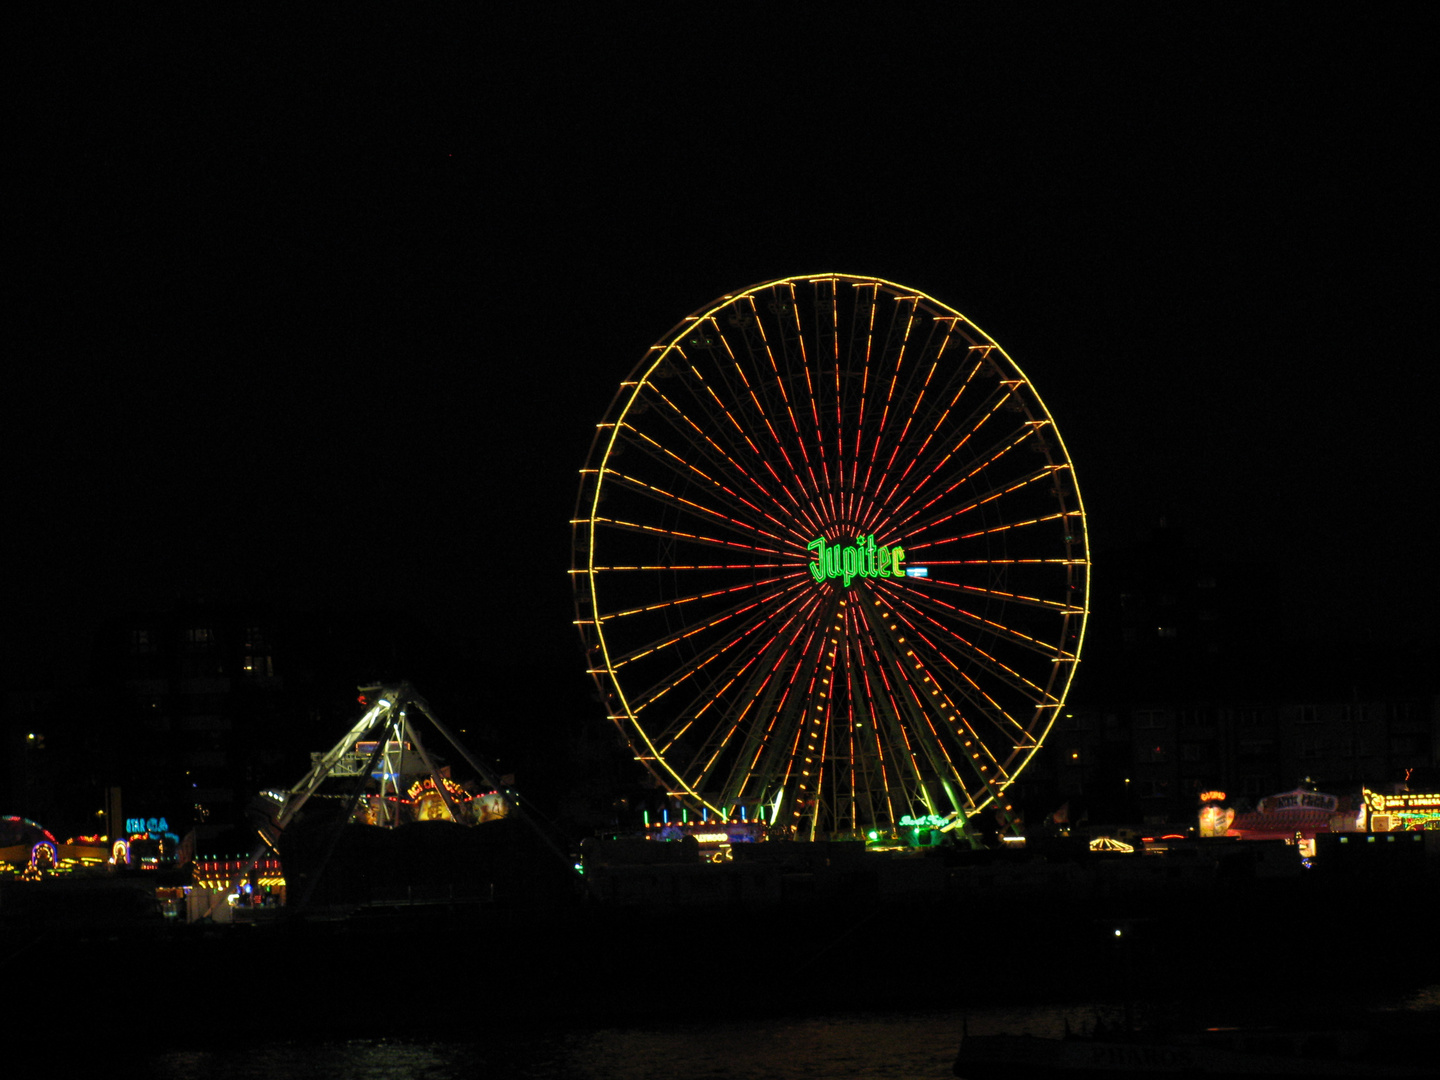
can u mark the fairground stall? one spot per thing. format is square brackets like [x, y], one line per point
[1412, 811]
[1297, 816]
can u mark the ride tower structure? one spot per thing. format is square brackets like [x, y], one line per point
[830, 561]
[385, 744]
[389, 773]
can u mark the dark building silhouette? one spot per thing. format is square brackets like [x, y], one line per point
[1202, 673]
[191, 708]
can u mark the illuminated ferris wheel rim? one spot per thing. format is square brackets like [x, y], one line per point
[801, 542]
[671, 340]
[672, 337]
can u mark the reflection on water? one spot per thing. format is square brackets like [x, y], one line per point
[880, 1046]
[875, 1046]
[1426, 999]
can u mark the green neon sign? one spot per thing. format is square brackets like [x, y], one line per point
[862, 559]
[924, 821]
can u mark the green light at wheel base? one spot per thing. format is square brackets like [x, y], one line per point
[862, 559]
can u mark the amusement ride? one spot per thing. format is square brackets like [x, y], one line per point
[830, 562]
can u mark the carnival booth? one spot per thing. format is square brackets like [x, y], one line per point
[1412, 811]
[29, 851]
[1297, 816]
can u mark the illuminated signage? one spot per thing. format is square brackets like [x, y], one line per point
[427, 784]
[1216, 820]
[144, 825]
[1298, 800]
[1212, 796]
[1405, 802]
[924, 821]
[862, 559]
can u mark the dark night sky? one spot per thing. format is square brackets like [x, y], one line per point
[328, 312]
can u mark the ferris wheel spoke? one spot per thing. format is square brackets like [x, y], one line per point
[923, 393]
[871, 745]
[765, 759]
[863, 763]
[956, 684]
[952, 644]
[923, 454]
[631, 568]
[905, 322]
[691, 508]
[837, 373]
[882, 482]
[825, 493]
[1000, 723]
[914, 389]
[891, 764]
[758, 606]
[980, 417]
[708, 622]
[1060, 562]
[766, 755]
[858, 361]
[684, 471]
[926, 719]
[1040, 603]
[762, 687]
[789, 335]
[762, 626]
[799, 465]
[960, 683]
[922, 750]
[700, 765]
[803, 714]
[752, 389]
[792, 340]
[1009, 525]
[985, 497]
[904, 774]
[975, 463]
[912, 775]
[980, 623]
[705, 444]
[770, 373]
[694, 538]
[978, 703]
[906, 711]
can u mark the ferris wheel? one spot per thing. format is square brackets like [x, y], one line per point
[830, 561]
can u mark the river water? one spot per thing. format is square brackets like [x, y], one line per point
[917, 1045]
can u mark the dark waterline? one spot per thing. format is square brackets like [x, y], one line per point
[913, 1045]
